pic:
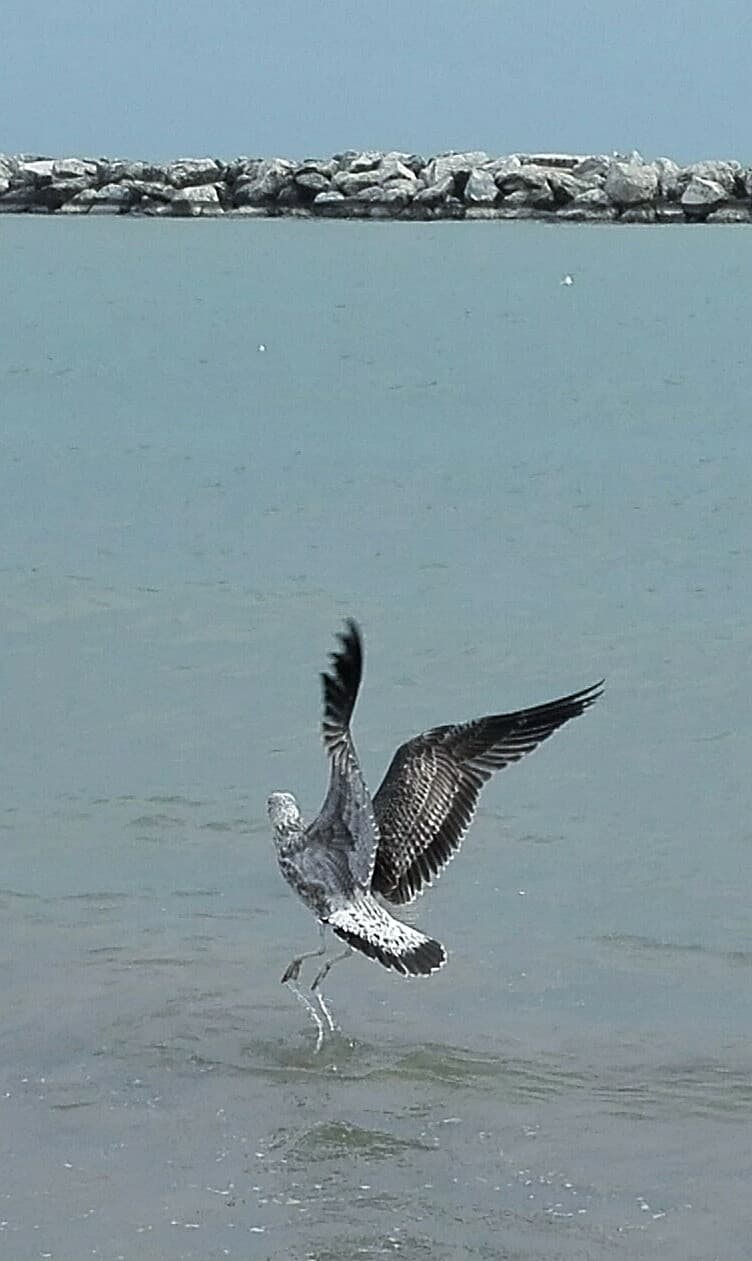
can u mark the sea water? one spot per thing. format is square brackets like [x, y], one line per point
[517, 487]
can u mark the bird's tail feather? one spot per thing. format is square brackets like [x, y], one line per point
[367, 927]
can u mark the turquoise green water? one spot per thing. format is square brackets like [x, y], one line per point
[517, 487]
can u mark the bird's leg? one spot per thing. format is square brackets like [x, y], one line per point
[333, 1027]
[315, 1017]
[322, 975]
[292, 971]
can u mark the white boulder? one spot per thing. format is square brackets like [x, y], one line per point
[196, 200]
[480, 189]
[631, 183]
[189, 172]
[701, 196]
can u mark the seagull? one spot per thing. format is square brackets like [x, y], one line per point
[567, 280]
[360, 852]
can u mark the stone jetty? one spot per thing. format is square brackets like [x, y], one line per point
[556, 187]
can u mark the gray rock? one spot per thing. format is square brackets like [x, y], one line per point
[400, 188]
[110, 194]
[367, 161]
[377, 210]
[72, 208]
[522, 212]
[313, 181]
[638, 214]
[520, 197]
[392, 167]
[592, 170]
[669, 185]
[701, 197]
[484, 212]
[592, 199]
[730, 214]
[501, 167]
[191, 202]
[328, 198]
[291, 196]
[114, 196]
[248, 212]
[669, 214]
[350, 184]
[726, 173]
[332, 204]
[422, 213]
[454, 164]
[413, 161]
[151, 189]
[153, 209]
[480, 189]
[245, 166]
[436, 193]
[38, 172]
[523, 176]
[264, 186]
[586, 214]
[552, 161]
[21, 200]
[452, 208]
[113, 172]
[565, 186]
[631, 183]
[322, 166]
[6, 175]
[74, 168]
[191, 172]
[55, 196]
[528, 187]
[396, 193]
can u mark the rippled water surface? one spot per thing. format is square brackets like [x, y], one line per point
[517, 487]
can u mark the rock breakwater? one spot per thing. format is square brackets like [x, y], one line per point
[372, 185]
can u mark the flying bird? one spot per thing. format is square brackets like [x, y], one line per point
[360, 852]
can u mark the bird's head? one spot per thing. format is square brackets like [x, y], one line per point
[284, 814]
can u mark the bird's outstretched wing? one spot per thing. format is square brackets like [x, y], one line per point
[346, 821]
[428, 797]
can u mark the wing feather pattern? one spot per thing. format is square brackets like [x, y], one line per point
[429, 794]
[346, 821]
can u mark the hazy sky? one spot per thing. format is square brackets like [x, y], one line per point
[159, 78]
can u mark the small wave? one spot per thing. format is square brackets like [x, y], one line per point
[343, 1138]
[157, 821]
[672, 949]
[196, 893]
[174, 801]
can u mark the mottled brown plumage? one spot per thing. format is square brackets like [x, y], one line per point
[397, 844]
[428, 797]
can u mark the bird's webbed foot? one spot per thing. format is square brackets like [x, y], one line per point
[292, 971]
[323, 974]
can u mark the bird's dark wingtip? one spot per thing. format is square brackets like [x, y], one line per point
[583, 699]
[590, 695]
[341, 683]
[350, 637]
